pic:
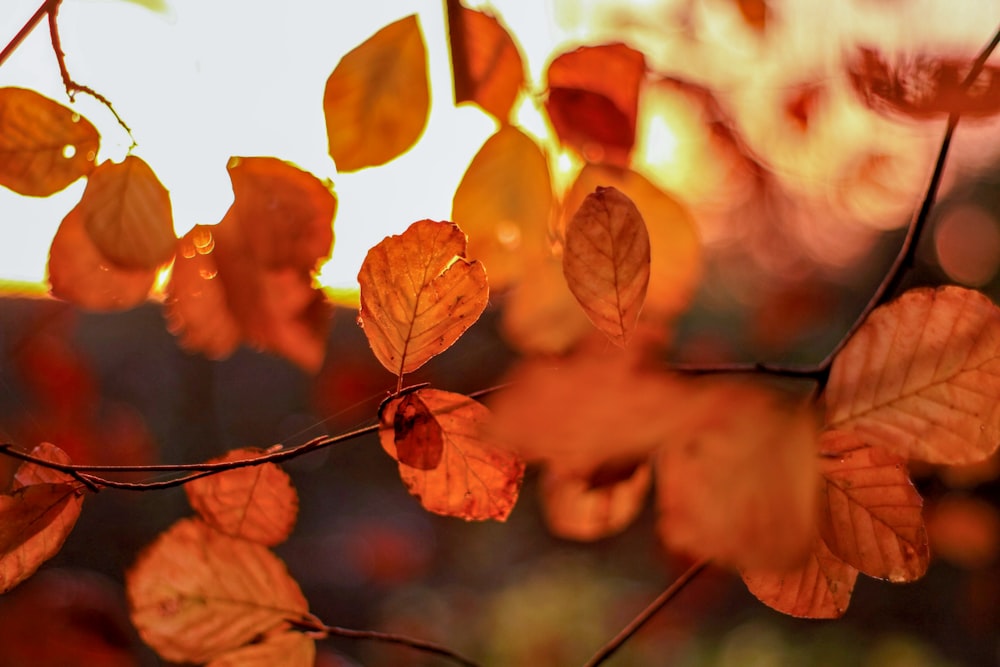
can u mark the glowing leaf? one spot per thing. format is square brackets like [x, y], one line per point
[577, 508]
[921, 377]
[477, 477]
[284, 649]
[419, 294]
[376, 101]
[417, 435]
[593, 100]
[43, 145]
[196, 594]
[256, 503]
[503, 203]
[606, 262]
[486, 63]
[870, 514]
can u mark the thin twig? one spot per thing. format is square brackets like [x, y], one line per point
[643, 617]
[26, 29]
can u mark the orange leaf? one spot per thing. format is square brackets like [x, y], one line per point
[43, 145]
[486, 63]
[575, 508]
[477, 478]
[921, 377]
[283, 649]
[965, 530]
[256, 503]
[503, 203]
[376, 101]
[126, 211]
[606, 262]
[594, 99]
[31, 473]
[870, 514]
[196, 594]
[419, 294]
[417, 435]
[755, 13]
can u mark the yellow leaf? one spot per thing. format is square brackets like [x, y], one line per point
[376, 101]
[575, 508]
[283, 649]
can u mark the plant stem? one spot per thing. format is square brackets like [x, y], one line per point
[26, 29]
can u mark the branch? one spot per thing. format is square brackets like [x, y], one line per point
[26, 29]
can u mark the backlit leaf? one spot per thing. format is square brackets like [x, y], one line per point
[256, 503]
[419, 294]
[921, 377]
[870, 514]
[576, 508]
[606, 262]
[43, 145]
[477, 478]
[417, 435]
[32, 473]
[283, 649]
[377, 101]
[196, 594]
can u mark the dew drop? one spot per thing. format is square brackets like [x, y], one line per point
[207, 274]
[75, 118]
[509, 235]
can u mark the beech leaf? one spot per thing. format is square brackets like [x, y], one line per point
[417, 435]
[921, 377]
[575, 508]
[419, 294]
[606, 262]
[283, 649]
[376, 100]
[43, 145]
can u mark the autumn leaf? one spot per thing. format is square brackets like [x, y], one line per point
[196, 594]
[43, 145]
[417, 435]
[477, 477]
[964, 530]
[606, 262]
[756, 13]
[487, 65]
[28, 473]
[577, 508]
[376, 100]
[921, 377]
[419, 294]
[283, 649]
[255, 503]
[870, 514]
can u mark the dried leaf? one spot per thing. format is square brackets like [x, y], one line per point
[126, 211]
[576, 509]
[419, 294]
[196, 594]
[256, 503]
[417, 436]
[606, 262]
[477, 477]
[593, 100]
[283, 649]
[870, 514]
[376, 100]
[921, 377]
[43, 145]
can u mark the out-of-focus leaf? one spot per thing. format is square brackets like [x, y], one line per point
[486, 63]
[196, 594]
[870, 514]
[418, 437]
[377, 101]
[921, 377]
[606, 262]
[576, 508]
[256, 503]
[126, 211]
[503, 203]
[419, 294]
[755, 13]
[283, 649]
[965, 530]
[43, 145]
[156, 6]
[477, 479]
[593, 100]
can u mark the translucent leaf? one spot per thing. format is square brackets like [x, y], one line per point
[577, 508]
[43, 145]
[376, 101]
[486, 63]
[419, 294]
[870, 514]
[417, 435]
[606, 262]
[31, 473]
[126, 211]
[503, 203]
[256, 503]
[921, 377]
[196, 594]
[593, 100]
[283, 649]
[477, 478]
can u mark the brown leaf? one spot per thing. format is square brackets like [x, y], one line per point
[256, 503]
[576, 509]
[593, 100]
[477, 478]
[43, 145]
[503, 203]
[419, 294]
[196, 594]
[126, 211]
[921, 377]
[417, 435]
[283, 649]
[376, 100]
[606, 262]
[870, 514]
